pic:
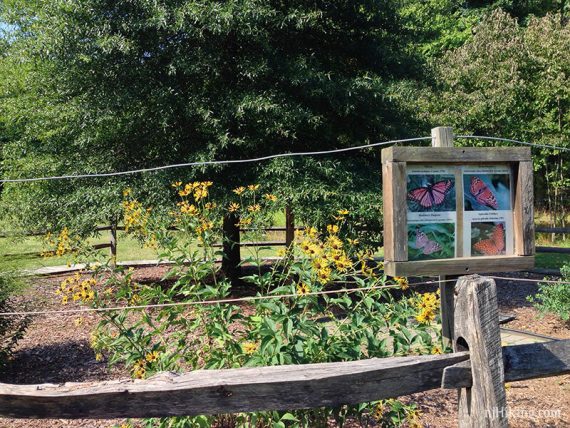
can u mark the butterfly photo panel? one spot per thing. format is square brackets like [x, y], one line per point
[431, 192]
[485, 192]
[431, 241]
[488, 239]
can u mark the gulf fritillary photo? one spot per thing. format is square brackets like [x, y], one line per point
[431, 193]
[486, 192]
[488, 239]
[431, 241]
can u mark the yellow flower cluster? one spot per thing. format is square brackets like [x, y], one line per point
[135, 216]
[77, 289]
[428, 307]
[188, 208]
[139, 369]
[325, 255]
[62, 244]
[198, 189]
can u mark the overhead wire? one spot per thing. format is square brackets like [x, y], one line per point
[214, 162]
[264, 158]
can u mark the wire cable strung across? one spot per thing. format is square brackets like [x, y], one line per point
[263, 158]
[218, 301]
[508, 140]
[546, 281]
[214, 162]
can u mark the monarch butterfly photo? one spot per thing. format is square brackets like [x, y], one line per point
[431, 193]
[431, 241]
[488, 239]
[486, 192]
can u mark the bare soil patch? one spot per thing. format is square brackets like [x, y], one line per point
[56, 349]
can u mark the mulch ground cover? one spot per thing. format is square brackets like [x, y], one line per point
[55, 349]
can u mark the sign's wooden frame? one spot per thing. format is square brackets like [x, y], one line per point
[394, 163]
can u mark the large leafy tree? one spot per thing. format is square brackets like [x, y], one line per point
[106, 85]
[512, 81]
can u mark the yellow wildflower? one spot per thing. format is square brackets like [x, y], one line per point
[324, 275]
[303, 289]
[253, 187]
[343, 212]
[254, 208]
[378, 411]
[127, 192]
[177, 184]
[402, 282]
[270, 197]
[436, 350]
[152, 356]
[188, 209]
[239, 190]
[243, 222]
[233, 207]
[210, 205]
[139, 369]
[332, 228]
[249, 347]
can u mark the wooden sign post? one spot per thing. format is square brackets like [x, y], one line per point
[456, 211]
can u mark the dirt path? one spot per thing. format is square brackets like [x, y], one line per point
[56, 349]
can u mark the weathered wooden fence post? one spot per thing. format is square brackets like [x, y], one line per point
[289, 226]
[113, 242]
[484, 404]
[231, 248]
[443, 137]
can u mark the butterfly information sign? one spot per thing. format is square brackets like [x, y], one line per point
[457, 210]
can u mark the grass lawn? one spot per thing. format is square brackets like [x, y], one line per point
[23, 252]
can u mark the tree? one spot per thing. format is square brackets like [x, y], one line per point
[512, 81]
[113, 85]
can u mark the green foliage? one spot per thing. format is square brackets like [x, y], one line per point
[112, 85]
[512, 81]
[285, 324]
[555, 298]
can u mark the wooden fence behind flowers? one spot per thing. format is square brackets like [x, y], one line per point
[232, 233]
[478, 369]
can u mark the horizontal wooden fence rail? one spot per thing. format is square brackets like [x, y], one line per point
[271, 388]
[541, 229]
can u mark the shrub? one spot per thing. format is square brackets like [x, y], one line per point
[554, 298]
[299, 314]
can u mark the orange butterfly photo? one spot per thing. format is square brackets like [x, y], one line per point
[488, 239]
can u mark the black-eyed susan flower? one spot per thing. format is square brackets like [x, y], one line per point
[249, 347]
[303, 289]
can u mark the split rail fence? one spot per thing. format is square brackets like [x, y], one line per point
[233, 243]
[478, 369]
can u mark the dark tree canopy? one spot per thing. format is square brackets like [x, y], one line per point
[105, 85]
